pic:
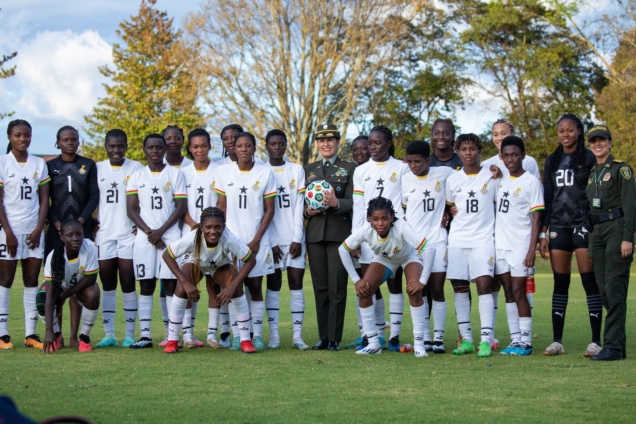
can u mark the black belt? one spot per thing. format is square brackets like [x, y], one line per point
[608, 216]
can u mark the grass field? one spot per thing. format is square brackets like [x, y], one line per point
[126, 386]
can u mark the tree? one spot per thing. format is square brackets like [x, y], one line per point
[296, 64]
[7, 73]
[152, 88]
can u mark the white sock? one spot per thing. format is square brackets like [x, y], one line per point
[525, 325]
[164, 311]
[193, 316]
[272, 304]
[380, 317]
[145, 316]
[177, 314]
[258, 311]
[512, 313]
[419, 315]
[213, 322]
[248, 297]
[462, 311]
[186, 325]
[359, 317]
[368, 322]
[495, 300]
[4, 311]
[230, 313]
[530, 300]
[439, 320]
[109, 304]
[56, 326]
[224, 318]
[486, 311]
[396, 310]
[240, 310]
[297, 306]
[30, 310]
[427, 322]
[89, 316]
[130, 310]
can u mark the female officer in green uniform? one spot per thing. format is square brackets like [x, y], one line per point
[612, 195]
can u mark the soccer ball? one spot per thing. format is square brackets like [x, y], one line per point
[314, 194]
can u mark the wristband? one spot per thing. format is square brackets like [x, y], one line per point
[542, 235]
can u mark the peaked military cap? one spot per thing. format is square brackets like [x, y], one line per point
[327, 131]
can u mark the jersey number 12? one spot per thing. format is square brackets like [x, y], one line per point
[25, 192]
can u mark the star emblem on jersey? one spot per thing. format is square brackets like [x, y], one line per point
[155, 190]
[212, 263]
[438, 186]
[386, 255]
[484, 189]
[200, 190]
[471, 194]
[25, 180]
[167, 187]
[426, 193]
[113, 185]
[243, 190]
[517, 192]
[393, 177]
[506, 194]
[256, 186]
[380, 182]
[281, 189]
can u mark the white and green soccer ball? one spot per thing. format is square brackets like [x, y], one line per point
[315, 194]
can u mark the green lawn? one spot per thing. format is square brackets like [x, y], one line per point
[202, 385]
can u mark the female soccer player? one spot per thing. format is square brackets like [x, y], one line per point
[212, 249]
[381, 177]
[74, 193]
[228, 138]
[517, 225]
[288, 239]
[155, 200]
[24, 203]
[442, 138]
[174, 147]
[395, 244]
[247, 194]
[424, 202]
[471, 245]
[70, 270]
[115, 237]
[564, 181]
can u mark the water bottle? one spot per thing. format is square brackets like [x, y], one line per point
[530, 286]
[406, 348]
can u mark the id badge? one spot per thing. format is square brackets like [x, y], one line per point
[596, 202]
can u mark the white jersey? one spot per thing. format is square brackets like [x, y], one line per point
[20, 182]
[113, 219]
[226, 161]
[76, 269]
[245, 193]
[474, 197]
[517, 198]
[200, 190]
[157, 192]
[424, 201]
[528, 164]
[288, 223]
[377, 179]
[185, 162]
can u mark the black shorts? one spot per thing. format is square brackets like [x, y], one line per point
[568, 239]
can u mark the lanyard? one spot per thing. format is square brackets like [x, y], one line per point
[597, 177]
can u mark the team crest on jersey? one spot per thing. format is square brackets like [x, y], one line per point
[484, 189]
[167, 187]
[126, 179]
[517, 192]
[491, 261]
[438, 186]
[393, 177]
[446, 257]
[82, 170]
[396, 250]
[292, 184]
[553, 235]
[81, 269]
[257, 186]
[269, 258]
[212, 185]
[36, 176]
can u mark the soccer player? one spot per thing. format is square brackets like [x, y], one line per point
[517, 225]
[174, 147]
[70, 270]
[442, 137]
[247, 194]
[288, 240]
[565, 177]
[155, 199]
[228, 138]
[381, 177]
[471, 245]
[115, 237]
[394, 244]
[424, 202]
[200, 177]
[24, 203]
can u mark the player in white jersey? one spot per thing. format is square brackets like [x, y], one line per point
[424, 203]
[382, 177]
[471, 244]
[519, 211]
[71, 270]
[156, 200]
[247, 193]
[395, 244]
[115, 237]
[24, 203]
[288, 240]
[228, 134]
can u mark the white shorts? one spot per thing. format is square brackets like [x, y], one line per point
[367, 254]
[23, 250]
[470, 263]
[511, 261]
[264, 262]
[110, 249]
[393, 266]
[148, 261]
[288, 262]
[440, 261]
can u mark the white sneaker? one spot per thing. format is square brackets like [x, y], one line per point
[370, 350]
[225, 343]
[420, 351]
[592, 349]
[554, 349]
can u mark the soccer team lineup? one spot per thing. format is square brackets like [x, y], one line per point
[405, 228]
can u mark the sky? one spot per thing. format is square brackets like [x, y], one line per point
[60, 46]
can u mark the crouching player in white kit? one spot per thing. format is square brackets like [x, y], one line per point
[156, 200]
[115, 237]
[519, 212]
[213, 249]
[287, 232]
[394, 244]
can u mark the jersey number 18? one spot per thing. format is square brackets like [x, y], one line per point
[472, 205]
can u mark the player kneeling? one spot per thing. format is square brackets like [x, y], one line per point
[211, 248]
[70, 270]
[394, 244]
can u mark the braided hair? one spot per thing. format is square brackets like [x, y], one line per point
[208, 213]
[467, 138]
[116, 133]
[447, 121]
[380, 204]
[235, 127]
[388, 135]
[579, 154]
[61, 130]
[504, 121]
[13, 124]
[58, 263]
[197, 132]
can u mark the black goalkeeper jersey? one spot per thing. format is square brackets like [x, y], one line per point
[564, 192]
[455, 162]
[74, 191]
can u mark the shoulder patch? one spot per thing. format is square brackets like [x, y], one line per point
[618, 161]
[626, 172]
